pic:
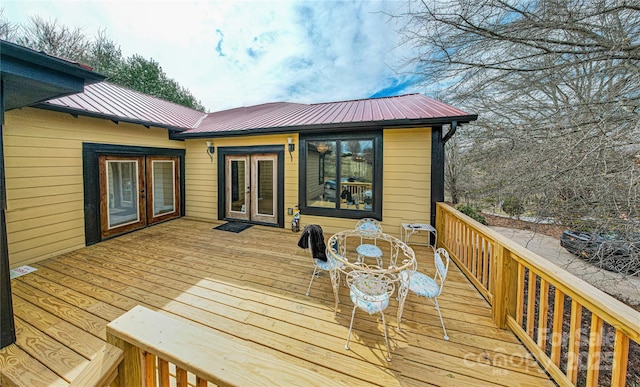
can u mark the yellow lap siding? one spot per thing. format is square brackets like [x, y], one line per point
[407, 177]
[44, 177]
[201, 184]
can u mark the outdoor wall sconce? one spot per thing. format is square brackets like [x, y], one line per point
[210, 150]
[292, 146]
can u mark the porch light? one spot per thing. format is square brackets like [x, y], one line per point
[292, 146]
[210, 150]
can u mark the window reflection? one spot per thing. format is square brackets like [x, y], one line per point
[340, 174]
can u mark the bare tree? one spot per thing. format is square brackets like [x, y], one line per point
[7, 29]
[556, 85]
[55, 39]
[557, 88]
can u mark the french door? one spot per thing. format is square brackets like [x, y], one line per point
[136, 191]
[251, 191]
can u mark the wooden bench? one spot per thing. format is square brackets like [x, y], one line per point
[20, 369]
[145, 335]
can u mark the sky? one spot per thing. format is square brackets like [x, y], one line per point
[241, 53]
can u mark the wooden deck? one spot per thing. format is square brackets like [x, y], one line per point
[250, 287]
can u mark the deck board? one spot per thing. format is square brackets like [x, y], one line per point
[250, 287]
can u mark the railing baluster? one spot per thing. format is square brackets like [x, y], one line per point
[531, 304]
[543, 314]
[573, 355]
[520, 305]
[149, 372]
[595, 347]
[485, 263]
[163, 372]
[476, 253]
[558, 317]
[620, 356]
[470, 250]
[201, 382]
[181, 377]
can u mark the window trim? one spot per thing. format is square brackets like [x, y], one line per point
[376, 212]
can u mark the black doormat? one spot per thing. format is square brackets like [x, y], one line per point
[233, 226]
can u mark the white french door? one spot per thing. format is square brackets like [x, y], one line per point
[251, 191]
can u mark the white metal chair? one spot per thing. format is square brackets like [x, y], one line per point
[370, 292]
[423, 285]
[369, 228]
[331, 265]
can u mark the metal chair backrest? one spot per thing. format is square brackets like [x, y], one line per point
[368, 227]
[442, 267]
[371, 286]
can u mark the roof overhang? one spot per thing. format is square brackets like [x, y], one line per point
[343, 126]
[115, 119]
[30, 77]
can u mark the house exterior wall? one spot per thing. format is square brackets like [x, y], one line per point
[201, 181]
[407, 178]
[406, 183]
[43, 156]
[43, 159]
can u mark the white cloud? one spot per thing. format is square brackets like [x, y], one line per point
[231, 54]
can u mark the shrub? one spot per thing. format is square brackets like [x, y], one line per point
[472, 213]
[513, 206]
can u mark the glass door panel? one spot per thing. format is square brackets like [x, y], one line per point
[263, 182]
[237, 186]
[163, 197]
[122, 194]
[163, 187]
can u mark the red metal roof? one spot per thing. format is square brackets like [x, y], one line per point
[379, 111]
[110, 101]
[107, 100]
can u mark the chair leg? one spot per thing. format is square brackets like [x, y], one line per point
[402, 297]
[335, 284]
[315, 270]
[346, 346]
[386, 338]
[441, 320]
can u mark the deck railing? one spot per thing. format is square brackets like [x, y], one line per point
[357, 190]
[163, 351]
[530, 296]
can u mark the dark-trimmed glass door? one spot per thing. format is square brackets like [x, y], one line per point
[136, 191]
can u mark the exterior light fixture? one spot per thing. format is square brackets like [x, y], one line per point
[322, 148]
[210, 150]
[292, 147]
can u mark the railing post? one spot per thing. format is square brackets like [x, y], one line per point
[439, 225]
[503, 286]
[130, 369]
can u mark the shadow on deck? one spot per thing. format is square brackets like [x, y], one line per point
[250, 288]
